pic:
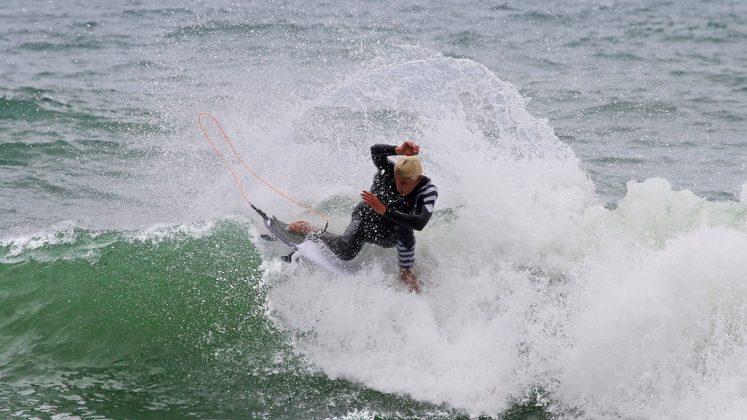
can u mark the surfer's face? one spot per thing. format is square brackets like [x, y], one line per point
[405, 185]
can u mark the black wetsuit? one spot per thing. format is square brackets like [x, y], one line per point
[395, 227]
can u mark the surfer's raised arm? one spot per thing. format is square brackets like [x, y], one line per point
[380, 152]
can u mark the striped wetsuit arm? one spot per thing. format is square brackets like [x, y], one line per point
[379, 154]
[424, 203]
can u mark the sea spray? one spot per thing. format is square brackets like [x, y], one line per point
[527, 287]
[516, 191]
[661, 309]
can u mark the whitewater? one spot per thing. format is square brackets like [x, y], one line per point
[638, 310]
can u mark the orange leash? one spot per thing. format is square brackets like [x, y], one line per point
[236, 179]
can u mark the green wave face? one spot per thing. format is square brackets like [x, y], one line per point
[151, 326]
[107, 325]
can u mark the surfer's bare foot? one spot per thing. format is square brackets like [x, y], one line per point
[302, 227]
[408, 278]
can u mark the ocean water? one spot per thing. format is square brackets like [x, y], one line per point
[588, 260]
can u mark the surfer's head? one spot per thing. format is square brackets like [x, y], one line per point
[407, 173]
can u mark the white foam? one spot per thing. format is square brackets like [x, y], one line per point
[634, 312]
[42, 245]
[64, 232]
[323, 257]
[161, 232]
[657, 328]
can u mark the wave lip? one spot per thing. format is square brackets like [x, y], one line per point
[66, 240]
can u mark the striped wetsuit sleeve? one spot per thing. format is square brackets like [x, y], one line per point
[424, 203]
[379, 154]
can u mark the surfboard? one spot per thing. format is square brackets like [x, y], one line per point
[313, 250]
[308, 247]
[280, 232]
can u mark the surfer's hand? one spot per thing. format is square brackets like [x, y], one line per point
[372, 200]
[407, 148]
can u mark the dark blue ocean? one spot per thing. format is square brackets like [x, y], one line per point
[587, 260]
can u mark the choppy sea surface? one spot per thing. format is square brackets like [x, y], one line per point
[588, 259]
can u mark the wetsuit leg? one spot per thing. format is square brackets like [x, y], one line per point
[362, 230]
[405, 247]
[349, 244]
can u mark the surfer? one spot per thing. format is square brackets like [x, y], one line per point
[400, 200]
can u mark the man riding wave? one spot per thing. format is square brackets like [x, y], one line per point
[400, 200]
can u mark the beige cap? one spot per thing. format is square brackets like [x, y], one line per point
[408, 167]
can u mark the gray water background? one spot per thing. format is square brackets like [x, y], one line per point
[94, 95]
